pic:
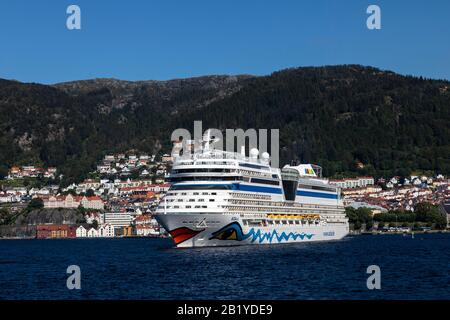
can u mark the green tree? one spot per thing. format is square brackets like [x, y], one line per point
[430, 214]
[35, 203]
[5, 216]
[359, 216]
[3, 172]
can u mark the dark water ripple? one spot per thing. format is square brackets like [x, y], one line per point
[142, 268]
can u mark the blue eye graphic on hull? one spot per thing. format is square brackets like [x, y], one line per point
[233, 231]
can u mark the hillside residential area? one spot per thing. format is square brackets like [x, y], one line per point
[121, 195]
[118, 200]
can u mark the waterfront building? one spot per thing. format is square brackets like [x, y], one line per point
[81, 232]
[45, 231]
[146, 230]
[106, 230]
[117, 219]
[92, 233]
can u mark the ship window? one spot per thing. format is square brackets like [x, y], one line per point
[191, 200]
[297, 222]
[291, 222]
[305, 186]
[284, 222]
[212, 200]
[253, 166]
[204, 178]
[187, 207]
[205, 187]
[201, 200]
[264, 181]
[176, 171]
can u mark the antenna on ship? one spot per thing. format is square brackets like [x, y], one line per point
[206, 140]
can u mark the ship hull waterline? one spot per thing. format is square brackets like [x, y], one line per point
[209, 230]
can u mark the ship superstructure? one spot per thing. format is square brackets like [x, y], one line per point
[222, 198]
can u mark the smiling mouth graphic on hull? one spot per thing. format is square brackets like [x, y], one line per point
[182, 234]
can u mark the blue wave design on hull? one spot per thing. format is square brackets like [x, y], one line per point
[258, 235]
[233, 231]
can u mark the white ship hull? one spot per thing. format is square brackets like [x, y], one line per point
[202, 230]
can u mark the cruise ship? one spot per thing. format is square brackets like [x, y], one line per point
[220, 198]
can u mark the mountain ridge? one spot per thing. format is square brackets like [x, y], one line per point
[336, 116]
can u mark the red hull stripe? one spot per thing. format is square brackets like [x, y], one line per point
[182, 234]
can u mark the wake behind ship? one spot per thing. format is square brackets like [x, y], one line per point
[220, 198]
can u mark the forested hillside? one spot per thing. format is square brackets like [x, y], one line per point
[349, 119]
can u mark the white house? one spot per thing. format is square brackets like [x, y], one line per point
[106, 230]
[81, 232]
[92, 233]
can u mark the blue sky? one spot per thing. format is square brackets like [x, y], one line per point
[165, 39]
